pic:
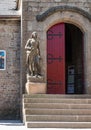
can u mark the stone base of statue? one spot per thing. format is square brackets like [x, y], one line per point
[35, 88]
[35, 85]
[35, 78]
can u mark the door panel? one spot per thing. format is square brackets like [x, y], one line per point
[56, 59]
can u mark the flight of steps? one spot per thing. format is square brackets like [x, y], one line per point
[57, 111]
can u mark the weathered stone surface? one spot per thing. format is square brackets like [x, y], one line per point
[10, 78]
[62, 8]
[35, 88]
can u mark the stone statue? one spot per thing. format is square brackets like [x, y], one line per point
[33, 55]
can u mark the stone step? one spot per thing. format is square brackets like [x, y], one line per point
[57, 100]
[57, 111]
[59, 125]
[57, 105]
[59, 118]
[56, 96]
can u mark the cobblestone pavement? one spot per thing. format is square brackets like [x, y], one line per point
[18, 125]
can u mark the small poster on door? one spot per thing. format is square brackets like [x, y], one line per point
[2, 59]
[71, 80]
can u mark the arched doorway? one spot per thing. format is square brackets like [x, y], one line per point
[65, 69]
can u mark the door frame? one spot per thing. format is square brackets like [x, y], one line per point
[82, 59]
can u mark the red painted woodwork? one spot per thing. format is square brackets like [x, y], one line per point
[56, 59]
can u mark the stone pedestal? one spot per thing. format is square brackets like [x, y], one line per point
[35, 85]
[35, 88]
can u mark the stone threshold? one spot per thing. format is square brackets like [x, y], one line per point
[11, 122]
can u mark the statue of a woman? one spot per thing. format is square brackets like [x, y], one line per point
[33, 55]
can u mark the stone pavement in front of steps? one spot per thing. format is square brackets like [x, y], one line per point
[18, 125]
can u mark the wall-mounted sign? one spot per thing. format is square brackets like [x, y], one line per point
[2, 59]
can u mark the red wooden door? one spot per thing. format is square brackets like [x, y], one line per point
[56, 59]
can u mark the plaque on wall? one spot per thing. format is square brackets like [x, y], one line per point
[2, 59]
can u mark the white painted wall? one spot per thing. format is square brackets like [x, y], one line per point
[7, 7]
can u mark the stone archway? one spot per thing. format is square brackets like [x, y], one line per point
[77, 19]
[52, 10]
[65, 63]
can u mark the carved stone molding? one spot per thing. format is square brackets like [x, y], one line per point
[52, 10]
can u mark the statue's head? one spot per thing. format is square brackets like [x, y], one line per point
[34, 35]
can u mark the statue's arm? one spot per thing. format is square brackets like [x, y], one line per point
[27, 44]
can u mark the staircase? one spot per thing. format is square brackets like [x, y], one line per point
[57, 111]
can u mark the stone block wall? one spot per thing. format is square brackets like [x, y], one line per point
[32, 8]
[10, 94]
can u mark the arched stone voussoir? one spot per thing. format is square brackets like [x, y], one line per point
[55, 9]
